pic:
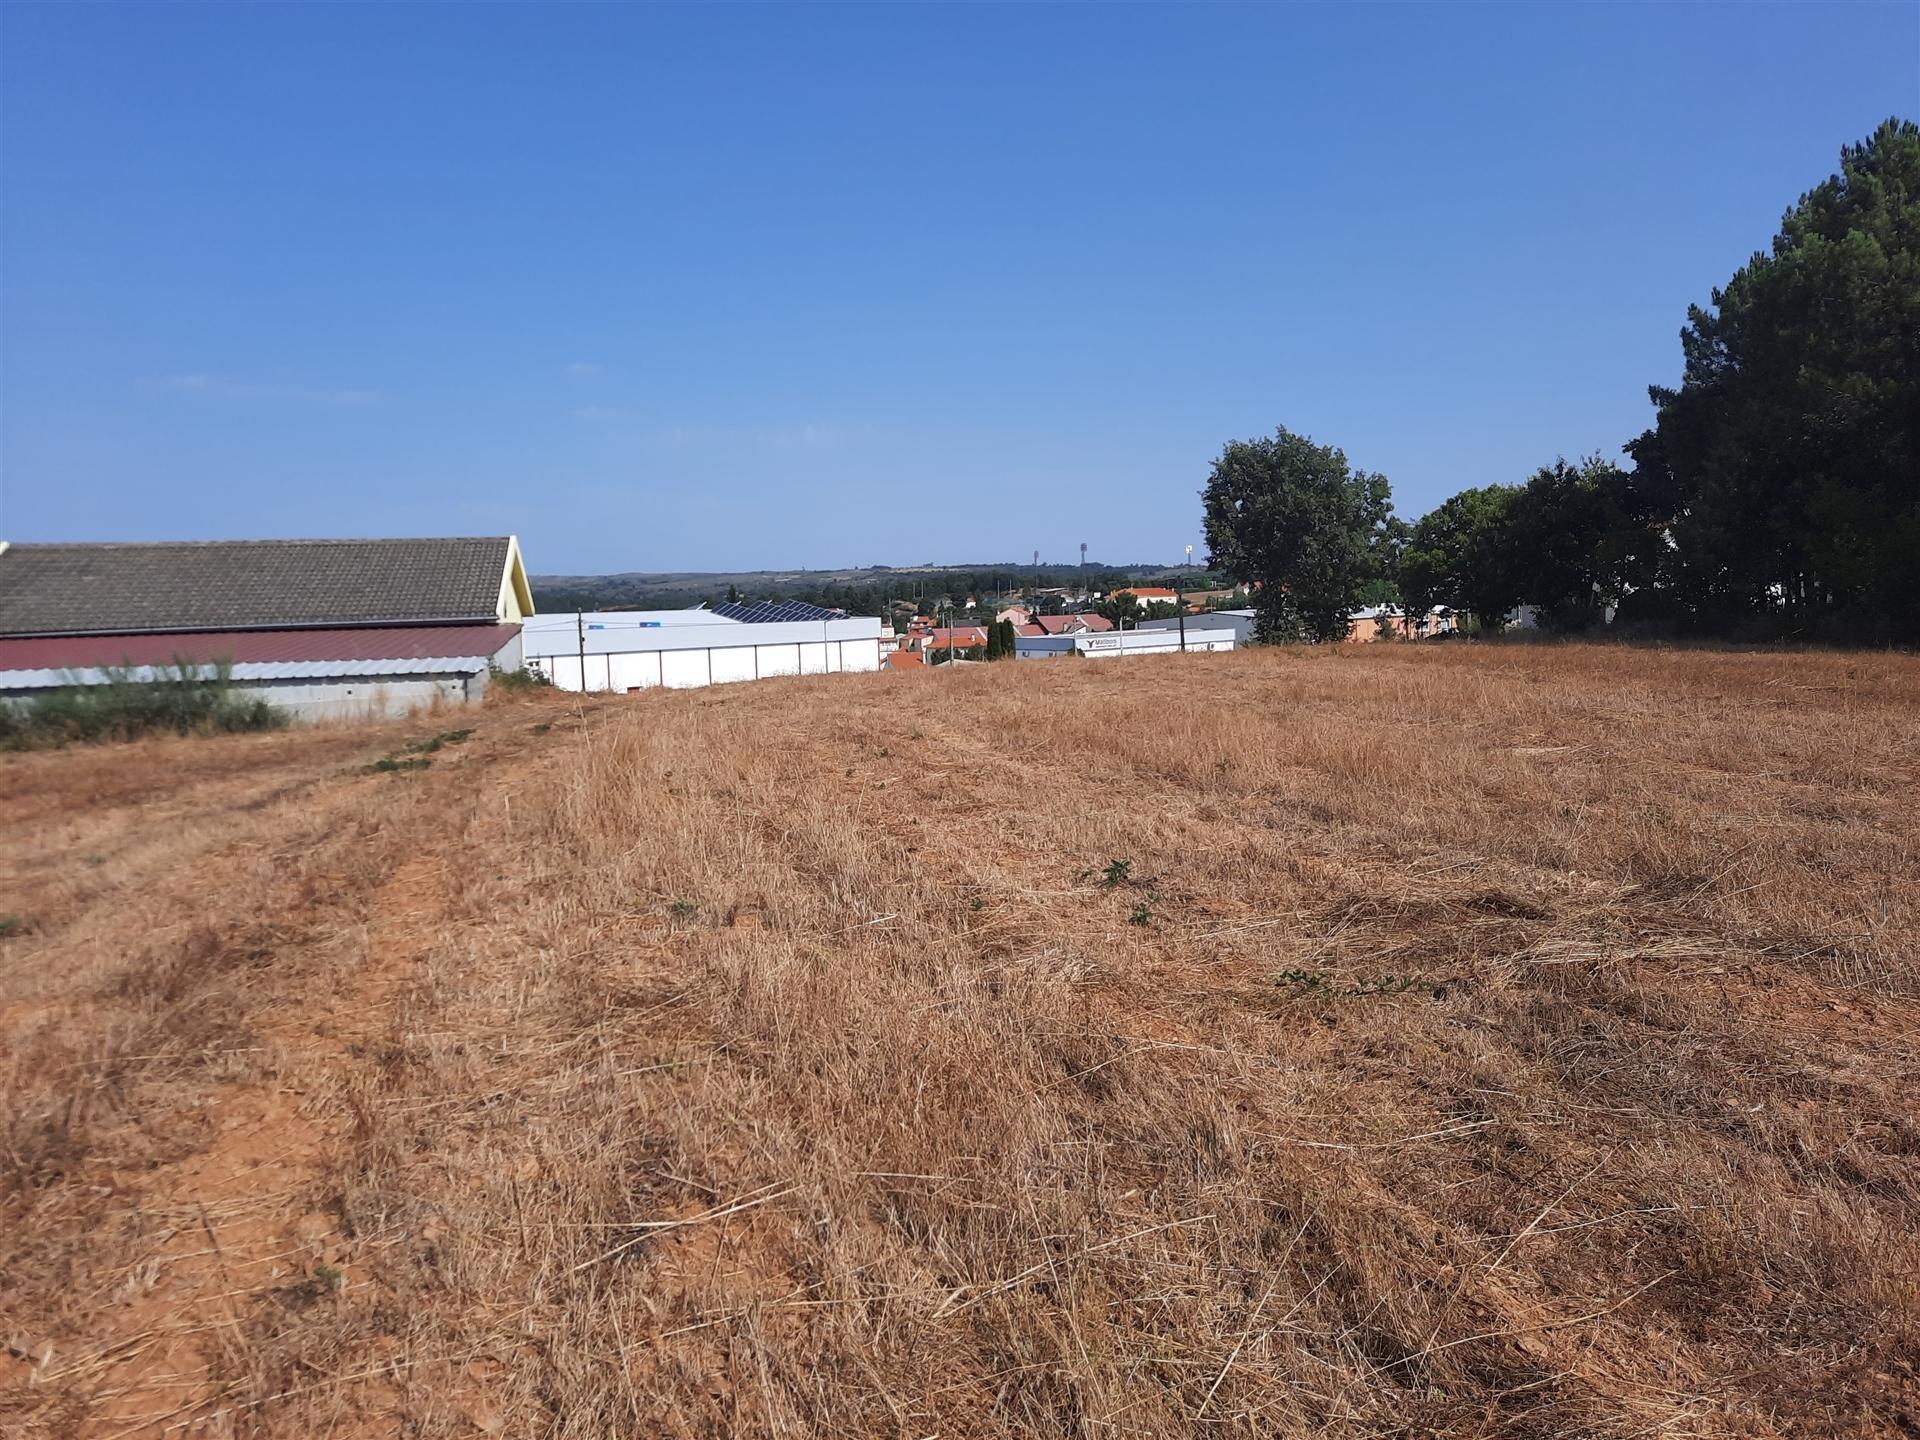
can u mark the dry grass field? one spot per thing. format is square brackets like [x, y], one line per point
[1513, 1041]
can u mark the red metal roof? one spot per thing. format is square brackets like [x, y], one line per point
[398, 642]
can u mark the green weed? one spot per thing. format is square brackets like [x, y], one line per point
[387, 765]
[517, 681]
[438, 742]
[1321, 984]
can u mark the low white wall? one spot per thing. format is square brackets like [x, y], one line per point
[688, 668]
[1118, 643]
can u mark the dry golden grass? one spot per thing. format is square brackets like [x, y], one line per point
[777, 1060]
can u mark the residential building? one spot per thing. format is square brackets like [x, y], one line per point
[1073, 624]
[949, 637]
[1370, 622]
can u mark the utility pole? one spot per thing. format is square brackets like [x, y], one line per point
[1180, 602]
[580, 625]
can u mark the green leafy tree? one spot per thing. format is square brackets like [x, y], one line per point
[1578, 543]
[1297, 519]
[1462, 554]
[1118, 606]
[1789, 454]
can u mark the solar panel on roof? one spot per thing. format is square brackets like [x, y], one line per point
[762, 612]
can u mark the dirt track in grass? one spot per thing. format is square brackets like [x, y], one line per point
[1498, 1041]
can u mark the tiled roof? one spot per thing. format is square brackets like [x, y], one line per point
[904, 660]
[1071, 624]
[248, 584]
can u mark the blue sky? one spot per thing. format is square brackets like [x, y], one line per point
[726, 288]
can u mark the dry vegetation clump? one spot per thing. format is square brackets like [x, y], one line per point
[1467, 1042]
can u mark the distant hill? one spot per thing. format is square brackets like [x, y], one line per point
[863, 589]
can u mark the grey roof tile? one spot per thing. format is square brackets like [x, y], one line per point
[240, 584]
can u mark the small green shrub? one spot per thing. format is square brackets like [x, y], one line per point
[11, 925]
[1116, 873]
[517, 682]
[183, 698]
[413, 755]
[438, 742]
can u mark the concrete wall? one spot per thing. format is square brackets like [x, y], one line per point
[361, 697]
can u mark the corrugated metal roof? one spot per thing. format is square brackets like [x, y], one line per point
[258, 670]
[396, 642]
[570, 621]
[234, 584]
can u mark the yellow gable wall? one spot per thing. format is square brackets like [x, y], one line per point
[516, 596]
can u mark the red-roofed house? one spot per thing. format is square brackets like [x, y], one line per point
[942, 637]
[1072, 624]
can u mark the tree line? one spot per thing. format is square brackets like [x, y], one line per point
[1776, 494]
[921, 591]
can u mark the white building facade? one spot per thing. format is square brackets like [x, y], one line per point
[624, 651]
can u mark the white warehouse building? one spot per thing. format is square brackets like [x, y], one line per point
[623, 651]
[1112, 644]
